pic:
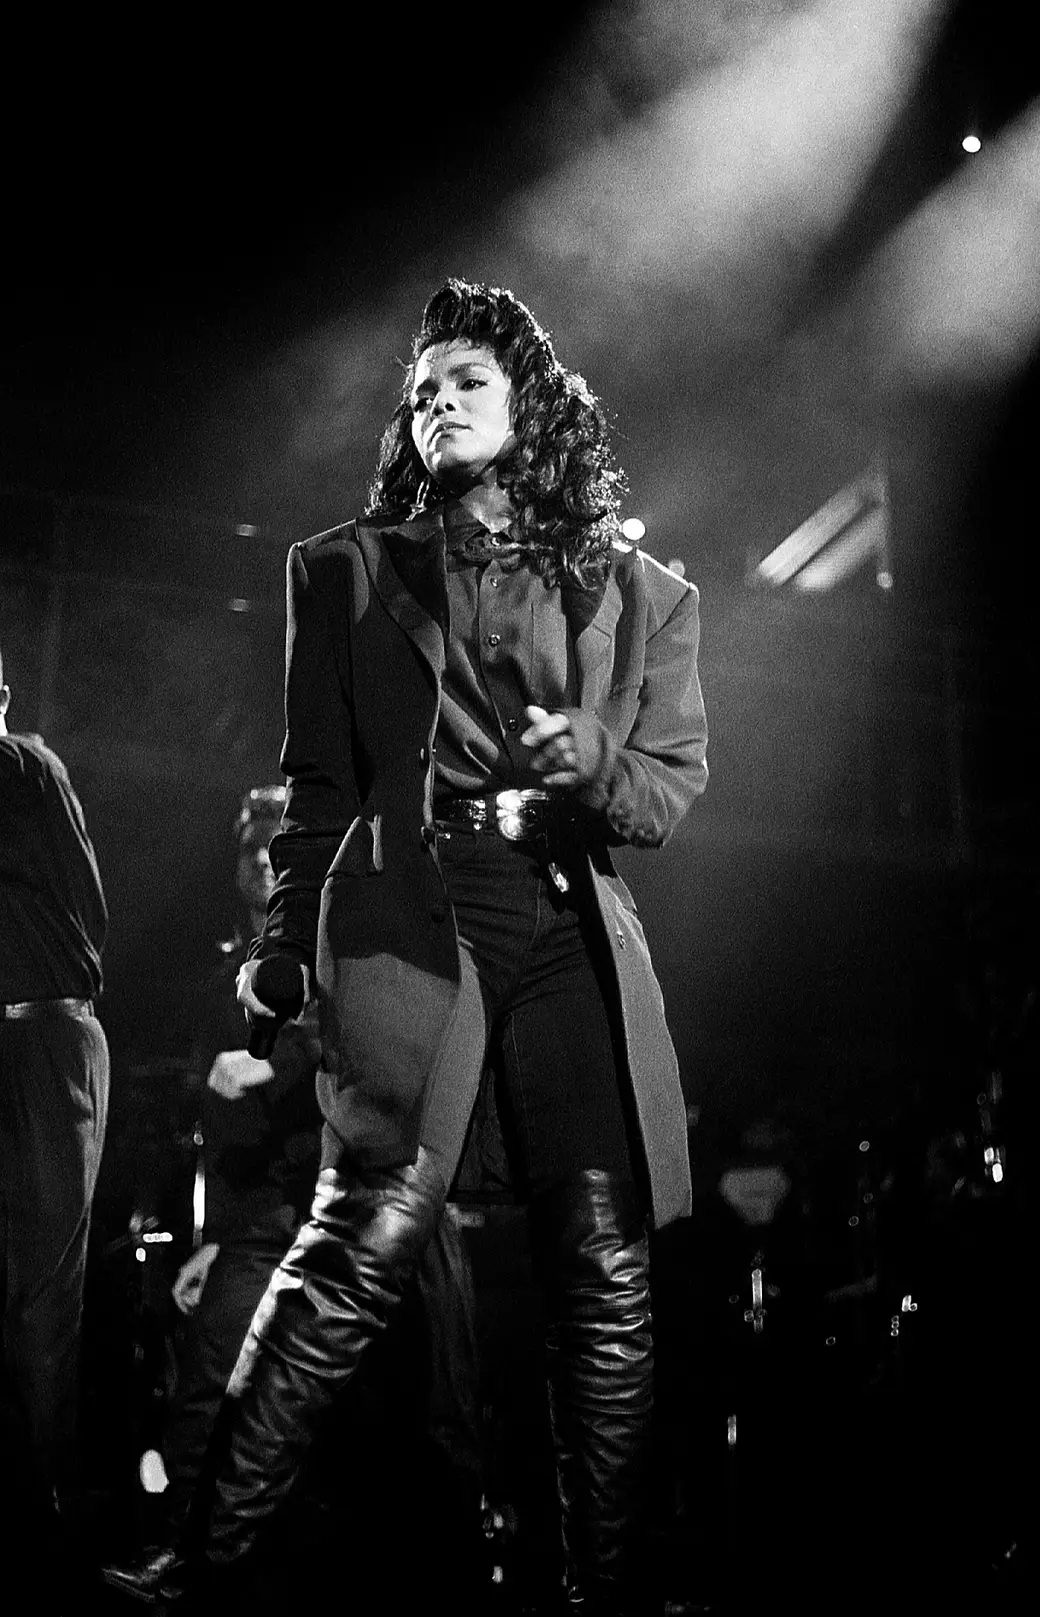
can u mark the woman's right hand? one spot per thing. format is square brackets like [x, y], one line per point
[244, 988]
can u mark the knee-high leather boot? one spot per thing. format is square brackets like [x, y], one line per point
[330, 1297]
[591, 1252]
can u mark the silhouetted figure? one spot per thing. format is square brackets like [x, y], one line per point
[54, 1080]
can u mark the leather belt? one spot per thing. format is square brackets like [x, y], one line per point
[21, 1010]
[530, 816]
[519, 816]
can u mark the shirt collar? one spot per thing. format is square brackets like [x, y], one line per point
[468, 540]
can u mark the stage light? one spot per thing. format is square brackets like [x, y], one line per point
[633, 529]
[246, 530]
[847, 531]
[971, 143]
[238, 604]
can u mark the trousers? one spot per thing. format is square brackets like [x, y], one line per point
[535, 1001]
[54, 1084]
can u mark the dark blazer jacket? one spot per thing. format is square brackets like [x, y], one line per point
[359, 895]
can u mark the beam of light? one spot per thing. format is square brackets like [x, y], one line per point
[728, 184]
[677, 219]
[849, 529]
[694, 158]
[953, 298]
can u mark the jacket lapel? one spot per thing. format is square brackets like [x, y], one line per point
[592, 617]
[406, 566]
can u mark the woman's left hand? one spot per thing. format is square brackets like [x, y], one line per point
[565, 746]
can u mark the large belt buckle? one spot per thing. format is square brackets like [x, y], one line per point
[474, 809]
[518, 816]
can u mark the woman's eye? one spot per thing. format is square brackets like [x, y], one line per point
[474, 381]
[420, 403]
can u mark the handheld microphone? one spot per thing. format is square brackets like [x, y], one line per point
[279, 982]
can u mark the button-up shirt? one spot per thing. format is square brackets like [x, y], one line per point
[53, 917]
[508, 647]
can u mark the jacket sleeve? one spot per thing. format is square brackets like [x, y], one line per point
[321, 791]
[645, 784]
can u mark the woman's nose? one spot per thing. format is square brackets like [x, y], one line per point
[442, 401]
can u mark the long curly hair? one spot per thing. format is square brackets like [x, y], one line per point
[562, 477]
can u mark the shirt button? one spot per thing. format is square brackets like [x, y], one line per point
[493, 582]
[423, 755]
[494, 639]
[512, 724]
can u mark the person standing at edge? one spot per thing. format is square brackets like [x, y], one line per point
[485, 690]
[54, 1084]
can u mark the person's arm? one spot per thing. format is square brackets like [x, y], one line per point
[192, 1275]
[234, 1072]
[643, 787]
[219, 1057]
[296, 1054]
[44, 841]
[321, 793]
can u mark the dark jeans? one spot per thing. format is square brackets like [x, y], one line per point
[535, 995]
[54, 1077]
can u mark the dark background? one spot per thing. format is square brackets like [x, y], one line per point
[218, 244]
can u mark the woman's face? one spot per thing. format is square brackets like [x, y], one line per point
[461, 400]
